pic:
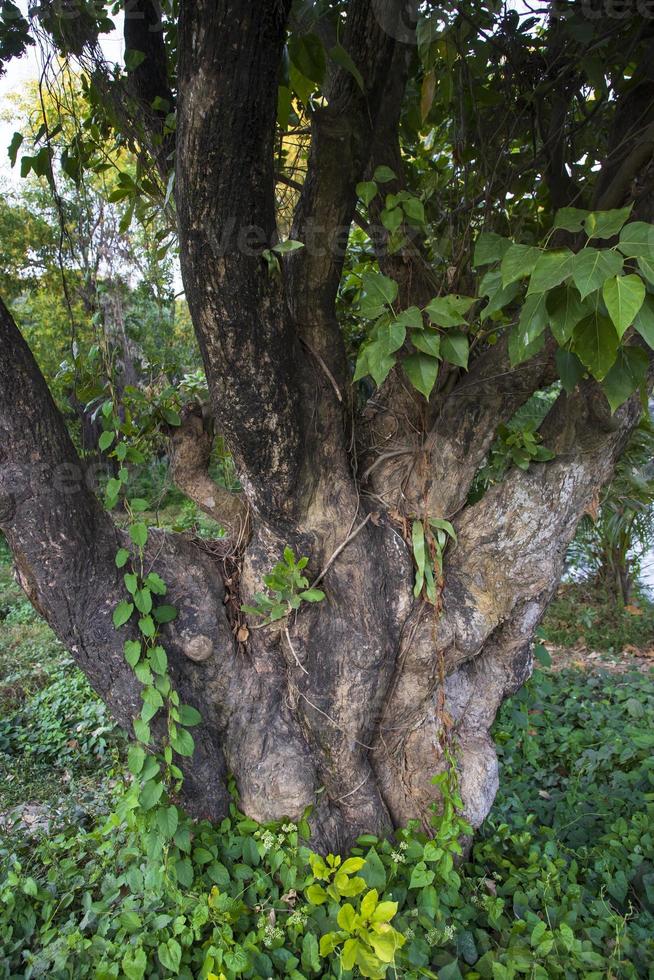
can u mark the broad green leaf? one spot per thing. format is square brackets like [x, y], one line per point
[637, 239]
[342, 57]
[146, 626]
[132, 650]
[189, 715]
[422, 371]
[282, 248]
[366, 191]
[606, 224]
[592, 267]
[565, 310]
[167, 819]
[524, 339]
[182, 742]
[448, 311]
[122, 613]
[411, 317]
[384, 174]
[646, 266]
[134, 964]
[414, 209]
[105, 440]
[346, 917]
[307, 54]
[150, 793]
[550, 269]
[570, 369]
[312, 595]
[498, 296]
[596, 343]
[165, 614]
[428, 341]
[626, 375]
[489, 247]
[455, 348]
[518, 262]
[135, 759]
[392, 218]
[139, 534]
[644, 321]
[379, 292]
[170, 955]
[624, 297]
[570, 219]
[158, 660]
[122, 557]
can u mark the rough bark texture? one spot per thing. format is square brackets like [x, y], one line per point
[345, 706]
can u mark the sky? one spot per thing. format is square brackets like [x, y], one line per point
[19, 71]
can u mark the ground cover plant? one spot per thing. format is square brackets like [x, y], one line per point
[559, 883]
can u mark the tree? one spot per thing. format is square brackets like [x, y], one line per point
[476, 120]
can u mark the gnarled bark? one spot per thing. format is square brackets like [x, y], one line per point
[345, 705]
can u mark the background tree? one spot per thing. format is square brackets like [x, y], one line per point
[424, 131]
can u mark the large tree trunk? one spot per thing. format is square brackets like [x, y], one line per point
[348, 705]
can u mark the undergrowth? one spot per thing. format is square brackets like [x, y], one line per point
[559, 883]
[585, 613]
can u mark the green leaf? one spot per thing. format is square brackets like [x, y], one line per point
[133, 59]
[606, 224]
[455, 348]
[624, 297]
[498, 296]
[596, 343]
[341, 57]
[122, 557]
[448, 311]
[384, 174]
[307, 53]
[14, 147]
[182, 742]
[414, 209]
[422, 371]
[626, 375]
[418, 544]
[139, 535]
[131, 582]
[165, 614]
[167, 820]
[637, 240]
[170, 955]
[646, 267]
[134, 964]
[565, 310]
[171, 416]
[373, 870]
[592, 267]
[135, 759]
[290, 245]
[141, 730]
[570, 369]
[644, 322]
[570, 219]
[379, 292]
[550, 269]
[392, 218]
[132, 650]
[518, 262]
[366, 191]
[489, 247]
[143, 600]
[312, 595]
[310, 953]
[411, 317]
[427, 341]
[155, 583]
[105, 441]
[158, 660]
[147, 627]
[189, 716]
[122, 613]
[524, 339]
